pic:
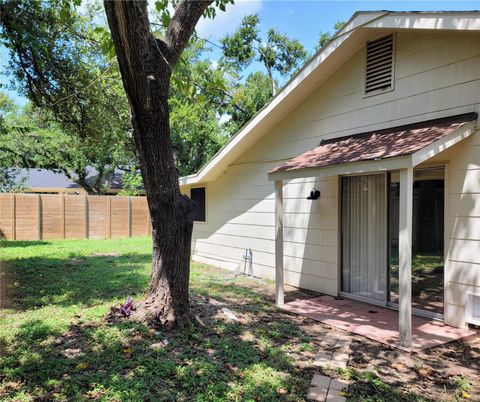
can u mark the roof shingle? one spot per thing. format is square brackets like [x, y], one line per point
[376, 145]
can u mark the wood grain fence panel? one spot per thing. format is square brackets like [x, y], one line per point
[140, 216]
[97, 217]
[119, 217]
[27, 217]
[52, 216]
[74, 217]
[7, 212]
[57, 216]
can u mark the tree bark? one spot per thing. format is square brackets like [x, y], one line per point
[146, 66]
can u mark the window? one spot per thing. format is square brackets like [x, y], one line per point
[379, 65]
[198, 197]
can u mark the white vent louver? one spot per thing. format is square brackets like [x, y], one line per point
[472, 309]
[379, 71]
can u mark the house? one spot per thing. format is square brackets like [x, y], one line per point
[45, 181]
[361, 177]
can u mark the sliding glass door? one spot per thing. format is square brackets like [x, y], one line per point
[364, 237]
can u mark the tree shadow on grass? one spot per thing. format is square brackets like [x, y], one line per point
[86, 280]
[127, 361]
[20, 243]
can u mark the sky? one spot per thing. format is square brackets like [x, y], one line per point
[302, 20]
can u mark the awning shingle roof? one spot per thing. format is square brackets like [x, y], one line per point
[376, 145]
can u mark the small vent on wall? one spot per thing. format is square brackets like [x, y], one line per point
[472, 309]
[379, 69]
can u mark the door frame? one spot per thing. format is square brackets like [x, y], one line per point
[386, 303]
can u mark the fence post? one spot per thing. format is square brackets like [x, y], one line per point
[129, 217]
[63, 215]
[14, 218]
[149, 222]
[85, 208]
[39, 215]
[109, 216]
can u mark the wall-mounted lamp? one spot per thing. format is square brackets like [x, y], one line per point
[314, 195]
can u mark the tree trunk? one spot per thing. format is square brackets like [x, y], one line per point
[146, 65]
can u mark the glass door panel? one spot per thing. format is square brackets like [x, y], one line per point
[364, 236]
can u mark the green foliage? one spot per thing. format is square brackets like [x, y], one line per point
[197, 96]
[132, 183]
[79, 114]
[326, 37]
[247, 99]
[277, 52]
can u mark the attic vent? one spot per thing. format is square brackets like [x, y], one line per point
[379, 70]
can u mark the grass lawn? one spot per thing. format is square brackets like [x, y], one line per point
[55, 345]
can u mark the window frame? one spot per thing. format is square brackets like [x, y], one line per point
[205, 201]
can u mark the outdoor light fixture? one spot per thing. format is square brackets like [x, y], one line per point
[314, 194]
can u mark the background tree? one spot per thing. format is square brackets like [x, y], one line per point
[79, 113]
[246, 100]
[278, 53]
[198, 95]
[146, 65]
[132, 184]
[10, 180]
[326, 37]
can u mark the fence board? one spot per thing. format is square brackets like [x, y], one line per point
[52, 216]
[74, 217]
[97, 217]
[7, 216]
[27, 218]
[140, 217]
[119, 217]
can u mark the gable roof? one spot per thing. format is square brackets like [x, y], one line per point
[358, 30]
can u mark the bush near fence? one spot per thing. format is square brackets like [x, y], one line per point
[58, 216]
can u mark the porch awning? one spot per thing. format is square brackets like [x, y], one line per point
[401, 146]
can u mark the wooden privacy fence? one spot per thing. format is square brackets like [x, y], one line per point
[45, 216]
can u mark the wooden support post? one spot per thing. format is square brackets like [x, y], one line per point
[129, 217]
[14, 218]
[279, 292]
[62, 216]
[39, 217]
[109, 217]
[405, 257]
[85, 206]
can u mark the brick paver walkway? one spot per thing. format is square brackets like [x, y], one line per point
[334, 354]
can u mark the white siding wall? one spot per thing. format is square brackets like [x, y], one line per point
[436, 75]
[462, 227]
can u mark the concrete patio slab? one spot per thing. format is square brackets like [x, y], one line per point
[376, 323]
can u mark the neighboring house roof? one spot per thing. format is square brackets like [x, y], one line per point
[44, 178]
[377, 145]
[359, 29]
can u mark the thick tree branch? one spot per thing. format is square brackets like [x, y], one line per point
[187, 13]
